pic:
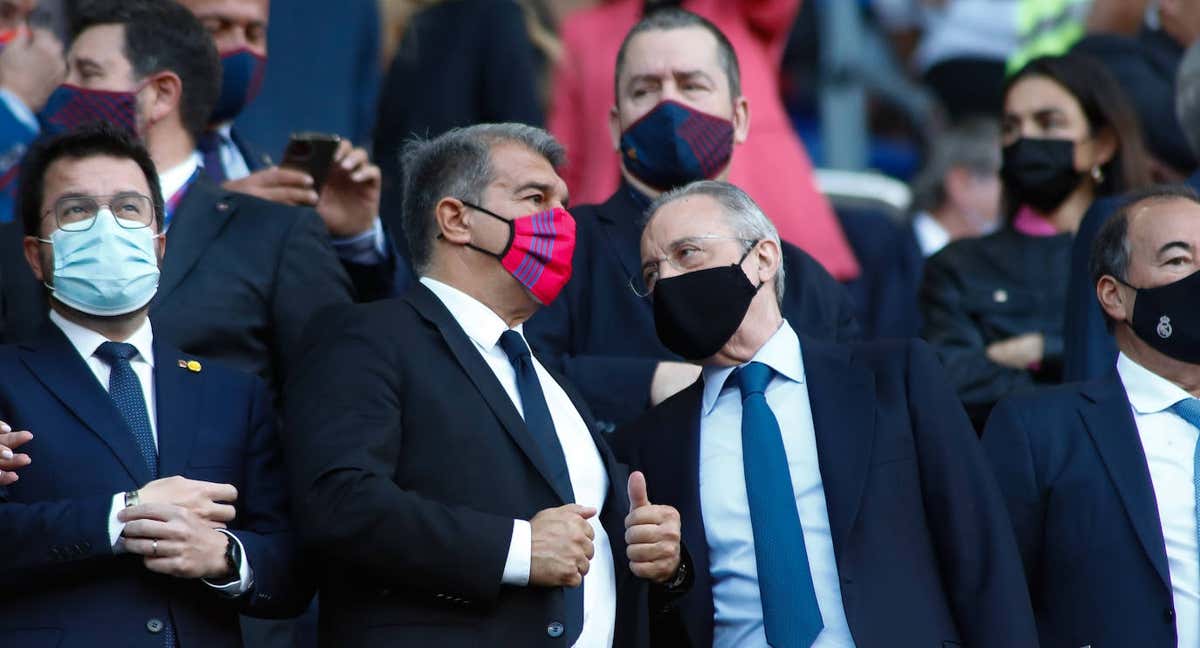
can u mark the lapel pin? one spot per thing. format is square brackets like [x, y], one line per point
[191, 365]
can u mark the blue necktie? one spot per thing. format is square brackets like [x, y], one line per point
[791, 616]
[1189, 410]
[210, 148]
[541, 427]
[126, 392]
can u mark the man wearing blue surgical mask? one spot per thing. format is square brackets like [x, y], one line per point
[152, 491]
[678, 118]
[239, 30]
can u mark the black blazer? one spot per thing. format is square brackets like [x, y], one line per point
[924, 549]
[67, 586]
[601, 335]
[240, 279]
[410, 462]
[1070, 463]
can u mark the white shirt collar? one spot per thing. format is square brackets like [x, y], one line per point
[481, 323]
[173, 179]
[1148, 392]
[931, 236]
[86, 341]
[226, 132]
[781, 353]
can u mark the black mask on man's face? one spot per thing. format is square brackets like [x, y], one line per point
[1168, 318]
[696, 313]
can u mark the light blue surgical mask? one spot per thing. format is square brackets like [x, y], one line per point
[105, 270]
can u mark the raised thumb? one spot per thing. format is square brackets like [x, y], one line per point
[637, 491]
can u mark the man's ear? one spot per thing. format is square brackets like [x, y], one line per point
[769, 257]
[1116, 300]
[741, 120]
[453, 224]
[614, 127]
[33, 256]
[165, 96]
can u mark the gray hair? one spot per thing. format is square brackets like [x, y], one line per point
[1111, 248]
[973, 145]
[1187, 96]
[742, 214]
[457, 164]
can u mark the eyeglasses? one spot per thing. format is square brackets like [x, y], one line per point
[78, 213]
[685, 255]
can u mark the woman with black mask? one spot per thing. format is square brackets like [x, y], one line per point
[993, 306]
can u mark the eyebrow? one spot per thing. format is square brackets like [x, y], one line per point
[1186, 247]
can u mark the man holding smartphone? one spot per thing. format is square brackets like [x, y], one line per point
[348, 200]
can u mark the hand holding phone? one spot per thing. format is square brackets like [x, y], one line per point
[312, 153]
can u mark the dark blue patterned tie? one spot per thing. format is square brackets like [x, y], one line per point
[791, 616]
[210, 150]
[541, 427]
[126, 392]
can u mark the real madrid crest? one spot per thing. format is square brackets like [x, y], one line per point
[1164, 327]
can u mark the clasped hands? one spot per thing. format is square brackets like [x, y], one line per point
[563, 541]
[174, 527]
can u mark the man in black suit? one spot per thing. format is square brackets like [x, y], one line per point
[1100, 476]
[241, 276]
[829, 492]
[455, 492]
[239, 30]
[673, 65]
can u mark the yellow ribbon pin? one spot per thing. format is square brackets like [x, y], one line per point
[191, 365]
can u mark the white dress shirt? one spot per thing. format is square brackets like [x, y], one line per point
[738, 615]
[86, 342]
[232, 159]
[589, 480]
[173, 179]
[1169, 442]
[930, 234]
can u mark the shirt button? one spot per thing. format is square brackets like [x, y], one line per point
[555, 629]
[154, 626]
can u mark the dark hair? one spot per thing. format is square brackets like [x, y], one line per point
[1105, 105]
[668, 18]
[162, 35]
[458, 164]
[90, 140]
[1110, 249]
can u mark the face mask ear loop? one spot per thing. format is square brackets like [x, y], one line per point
[745, 255]
[512, 231]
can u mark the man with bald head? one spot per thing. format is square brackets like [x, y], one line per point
[1099, 476]
[831, 494]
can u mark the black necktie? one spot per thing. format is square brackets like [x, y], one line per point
[541, 427]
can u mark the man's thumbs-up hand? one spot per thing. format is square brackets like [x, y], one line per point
[651, 535]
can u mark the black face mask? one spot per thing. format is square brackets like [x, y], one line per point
[1168, 318]
[1040, 172]
[696, 313]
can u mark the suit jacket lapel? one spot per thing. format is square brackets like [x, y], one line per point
[255, 161]
[178, 408]
[619, 220]
[1109, 421]
[430, 308]
[56, 363]
[842, 399]
[198, 220]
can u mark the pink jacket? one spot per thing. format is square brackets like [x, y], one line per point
[771, 166]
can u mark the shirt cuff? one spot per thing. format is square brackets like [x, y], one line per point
[368, 248]
[115, 526]
[245, 575]
[520, 554]
[19, 110]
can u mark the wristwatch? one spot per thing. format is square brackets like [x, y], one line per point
[233, 556]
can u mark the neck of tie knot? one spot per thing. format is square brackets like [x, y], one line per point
[514, 346]
[113, 352]
[209, 141]
[1189, 410]
[753, 379]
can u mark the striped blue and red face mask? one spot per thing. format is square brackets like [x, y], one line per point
[673, 145]
[539, 250]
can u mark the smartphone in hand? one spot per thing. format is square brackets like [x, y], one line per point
[313, 154]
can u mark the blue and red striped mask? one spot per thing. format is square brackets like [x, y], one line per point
[70, 106]
[539, 250]
[673, 145]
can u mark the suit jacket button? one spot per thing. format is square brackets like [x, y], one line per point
[555, 630]
[1169, 614]
[154, 626]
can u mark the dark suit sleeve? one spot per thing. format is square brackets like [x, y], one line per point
[345, 436]
[960, 344]
[309, 278]
[814, 302]
[510, 72]
[280, 589]
[980, 564]
[1006, 444]
[46, 538]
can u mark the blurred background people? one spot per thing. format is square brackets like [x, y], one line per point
[993, 306]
